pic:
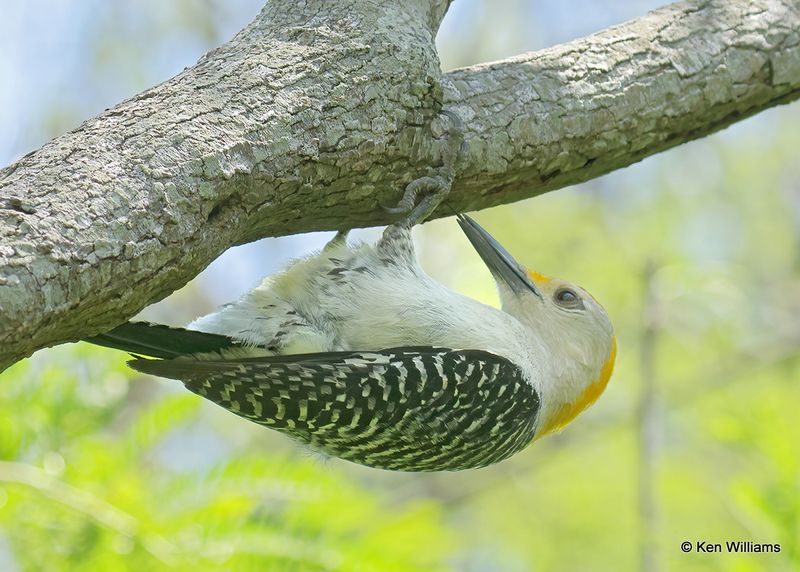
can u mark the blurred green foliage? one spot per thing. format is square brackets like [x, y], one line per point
[101, 469]
[84, 485]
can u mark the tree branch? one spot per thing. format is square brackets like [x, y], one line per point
[570, 113]
[319, 112]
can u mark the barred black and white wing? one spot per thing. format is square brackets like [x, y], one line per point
[408, 409]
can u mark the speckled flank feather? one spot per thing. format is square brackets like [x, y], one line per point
[411, 409]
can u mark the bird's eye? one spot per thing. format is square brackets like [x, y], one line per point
[567, 298]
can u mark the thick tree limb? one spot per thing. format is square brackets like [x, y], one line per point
[569, 113]
[319, 112]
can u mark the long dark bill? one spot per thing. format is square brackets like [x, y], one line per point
[501, 264]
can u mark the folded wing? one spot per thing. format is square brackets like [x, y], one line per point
[408, 408]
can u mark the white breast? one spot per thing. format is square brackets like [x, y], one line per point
[348, 298]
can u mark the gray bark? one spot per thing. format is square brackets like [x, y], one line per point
[320, 112]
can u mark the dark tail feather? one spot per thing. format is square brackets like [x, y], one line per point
[159, 341]
[180, 369]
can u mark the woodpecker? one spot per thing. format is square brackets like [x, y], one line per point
[358, 353]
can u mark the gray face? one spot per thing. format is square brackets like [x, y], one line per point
[564, 315]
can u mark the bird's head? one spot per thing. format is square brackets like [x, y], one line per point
[570, 325]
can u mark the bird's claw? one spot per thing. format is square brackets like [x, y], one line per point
[435, 189]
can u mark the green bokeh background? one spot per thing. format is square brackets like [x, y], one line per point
[695, 254]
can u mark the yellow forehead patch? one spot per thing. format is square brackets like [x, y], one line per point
[541, 278]
[569, 411]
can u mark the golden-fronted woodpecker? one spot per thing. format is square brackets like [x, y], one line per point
[361, 355]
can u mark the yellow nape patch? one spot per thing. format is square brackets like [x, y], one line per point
[541, 278]
[569, 411]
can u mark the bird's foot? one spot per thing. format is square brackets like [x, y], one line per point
[435, 186]
[435, 189]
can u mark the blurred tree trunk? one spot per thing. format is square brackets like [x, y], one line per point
[648, 426]
[319, 112]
